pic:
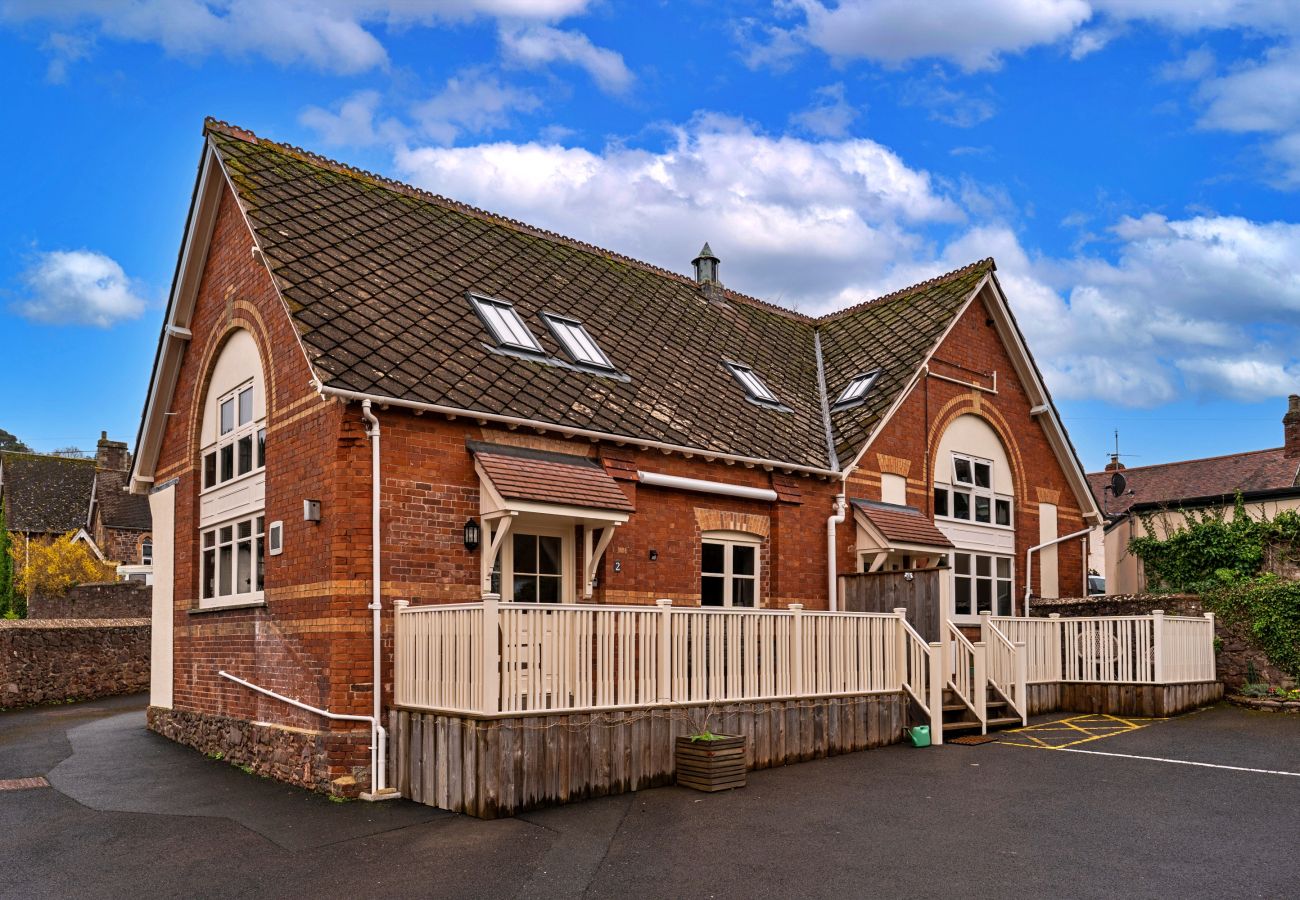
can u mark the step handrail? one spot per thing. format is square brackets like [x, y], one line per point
[968, 677]
[1007, 666]
[919, 673]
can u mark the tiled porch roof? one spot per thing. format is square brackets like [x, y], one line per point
[902, 524]
[541, 477]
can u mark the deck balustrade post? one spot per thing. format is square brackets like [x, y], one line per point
[1214, 662]
[900, 645]
[400, 658]
[490, 673]
[665, 679]
[1022, 681]
[1158, 646]
[1058, 647]
[980, 685]
[796, 633]
[985, 621]
[937, 681]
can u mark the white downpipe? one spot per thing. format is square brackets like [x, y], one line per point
[832, 586]
[658, 479]
[378, 761]
[378, 736]
[1029, 563]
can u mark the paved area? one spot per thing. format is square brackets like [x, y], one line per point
[129, 814]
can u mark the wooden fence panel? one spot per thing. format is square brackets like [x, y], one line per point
[884, 592]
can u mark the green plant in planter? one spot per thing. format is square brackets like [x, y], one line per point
[1254, 690]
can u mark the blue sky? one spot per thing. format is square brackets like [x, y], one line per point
[1133, 166]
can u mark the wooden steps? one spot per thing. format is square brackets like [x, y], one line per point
[957, 717]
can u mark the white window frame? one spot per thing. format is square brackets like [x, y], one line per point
[857, 389]
[505, 324]
[254, 430]
[212, 542]
[146, 552]
[754, 386]
[505, 563]
[973, 493]
[729, 541]
[993, 579]
[573, 336]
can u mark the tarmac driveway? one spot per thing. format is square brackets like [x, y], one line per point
[1117, 812]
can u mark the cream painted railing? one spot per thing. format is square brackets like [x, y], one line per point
[1007, 667]
[968, 674]
[1154, 649]
[566, 657]
[921, 673]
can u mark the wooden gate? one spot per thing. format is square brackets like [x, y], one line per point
[883, 592]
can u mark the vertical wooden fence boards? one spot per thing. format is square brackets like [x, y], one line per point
[883, 592]
[491, 767]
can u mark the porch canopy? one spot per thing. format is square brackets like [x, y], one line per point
[557, 488]
[888, 531]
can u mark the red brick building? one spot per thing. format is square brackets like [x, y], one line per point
[544, 420]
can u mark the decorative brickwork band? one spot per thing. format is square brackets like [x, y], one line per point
[719, 520]
[894, 465]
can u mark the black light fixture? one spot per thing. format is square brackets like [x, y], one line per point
[654, 556]
[472, 535]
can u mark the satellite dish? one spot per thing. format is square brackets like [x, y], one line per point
[1118, 483]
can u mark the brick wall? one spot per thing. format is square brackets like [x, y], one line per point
[971, 350]
[58, 659]
[112, 600]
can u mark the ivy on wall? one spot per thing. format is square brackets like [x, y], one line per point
[1221, 556]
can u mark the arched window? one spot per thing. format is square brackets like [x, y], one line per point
[232, 523]
[146, 552]
[729, 569]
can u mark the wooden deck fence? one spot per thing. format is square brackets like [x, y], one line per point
[920, 592]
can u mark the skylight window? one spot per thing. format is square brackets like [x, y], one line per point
[752, 384]
[856, 390]
[576, 341]
[504, 323]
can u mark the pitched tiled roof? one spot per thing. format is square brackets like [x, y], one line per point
[1212, 478]
[375, 276]
[45, 494]
[542, 477]
[902, 524]
[117, 508]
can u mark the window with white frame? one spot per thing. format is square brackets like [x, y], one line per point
[972, 496]
[146, 552]
[531, 566]
[241, 439]
[504, 322]
[856, 390]
[981, 583]
[232, 567]
[752, 384]
[729, 571]
[577, 342]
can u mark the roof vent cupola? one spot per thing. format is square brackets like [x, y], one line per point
[706, 266]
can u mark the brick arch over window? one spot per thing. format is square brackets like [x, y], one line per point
[972, 404]
[147, 537]
[242, 317]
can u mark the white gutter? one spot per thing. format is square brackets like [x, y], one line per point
[1029, 562]
[658, 479]
[378, 761]
[568, 429]
[831, 581]
[378, 736]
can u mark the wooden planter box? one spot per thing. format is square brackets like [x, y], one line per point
[711, 765]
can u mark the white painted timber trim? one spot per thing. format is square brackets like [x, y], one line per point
[680, 483]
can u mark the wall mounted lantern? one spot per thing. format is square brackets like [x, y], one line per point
[472, 535]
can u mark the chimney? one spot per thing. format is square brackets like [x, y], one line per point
[1291, 428]
[111, 455]
[706, 274]
[1114, 465]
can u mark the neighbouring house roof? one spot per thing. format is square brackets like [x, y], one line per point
[375, 276]
[45, 494]
[901, 524]
[117, 508]
[1196, 482]
[542, 477]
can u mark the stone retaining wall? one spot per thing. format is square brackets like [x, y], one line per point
[1236, 648]
[56, 659]
[108, 600]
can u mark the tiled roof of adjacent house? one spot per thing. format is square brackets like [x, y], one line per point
[45, 494]
[375, 275]
[543, 477]
[1213, 478]
[117, 508]
[902, 524]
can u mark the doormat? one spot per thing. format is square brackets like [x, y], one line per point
[22, 784]
[970, 739]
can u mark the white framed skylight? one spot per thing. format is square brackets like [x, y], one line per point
[577, 342]
[752, 384]
[503, 321]
[856, 390]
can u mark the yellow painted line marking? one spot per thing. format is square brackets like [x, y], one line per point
[1091, 727]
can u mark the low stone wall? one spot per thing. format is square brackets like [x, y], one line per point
[1236, 649]
[109, 600]
[55, 659]
[501, 766]
[334, 763]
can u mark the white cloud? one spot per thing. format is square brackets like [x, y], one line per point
[352, 122]
[972, 33]
[540, 45]
[472, 101]
[830, 116]
[78, 287]
[1263, 96]
[330, 35]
